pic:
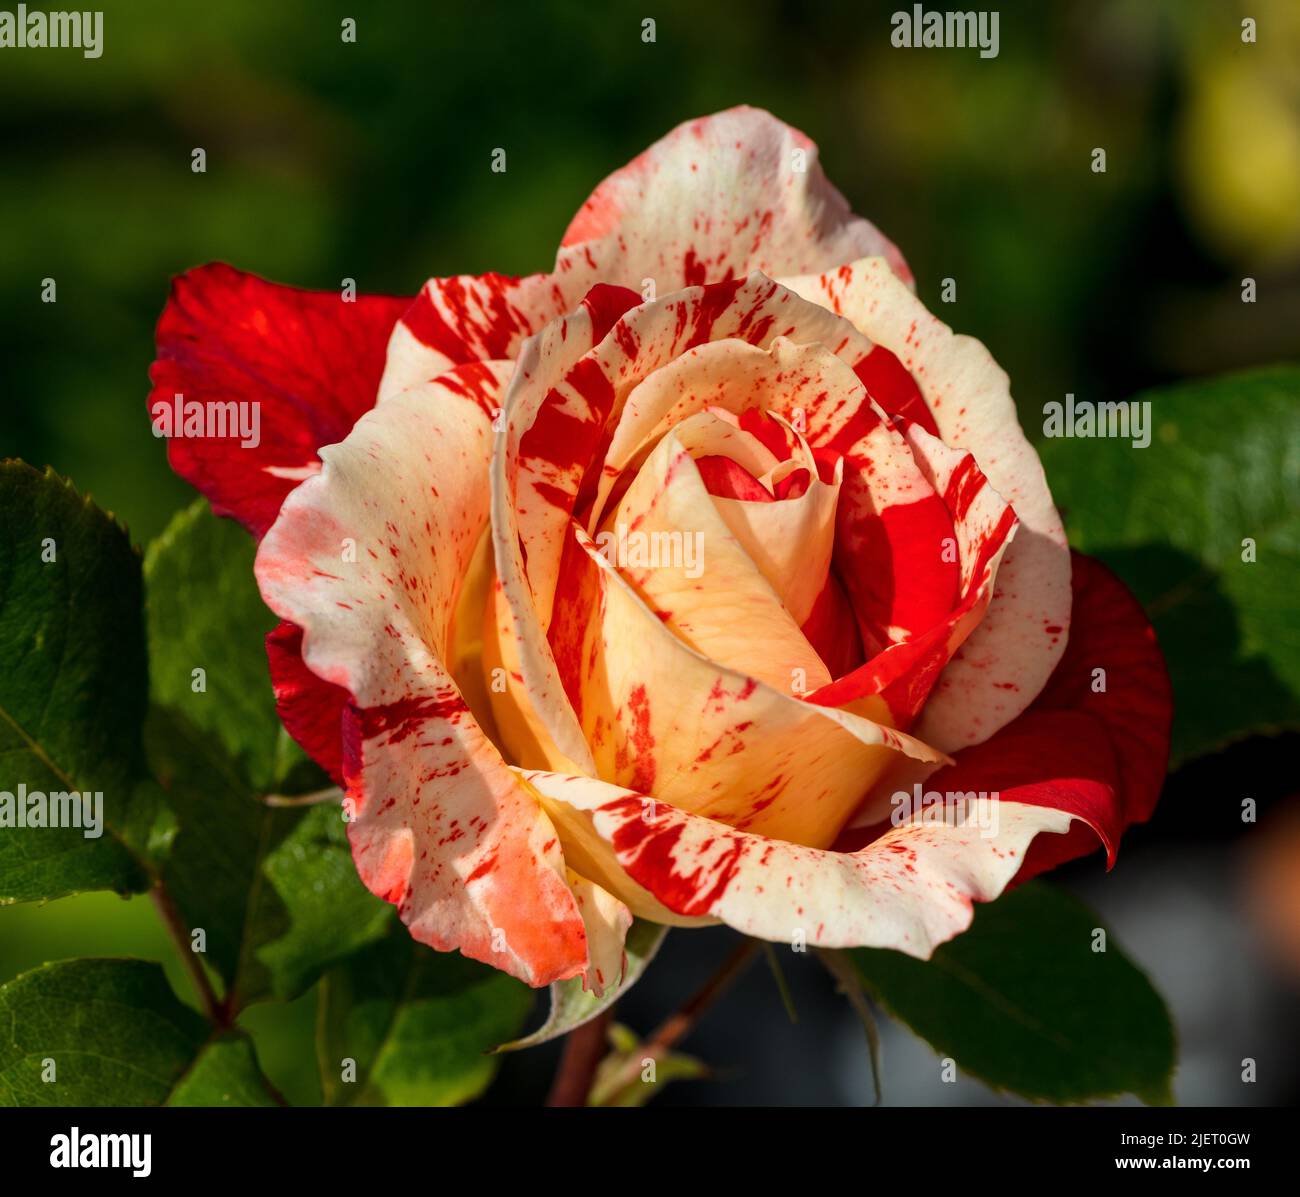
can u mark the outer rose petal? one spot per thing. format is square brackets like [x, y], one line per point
[310, 361]
[1098, 756]
[910, 890]
[1112, 632]
[1134, 713]
[441, 827]
[1009, 657]
[310, 709]
[717, 198]
[469, 318]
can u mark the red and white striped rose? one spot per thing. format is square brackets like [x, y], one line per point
[540, 738]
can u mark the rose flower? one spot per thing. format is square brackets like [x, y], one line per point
[662, 584]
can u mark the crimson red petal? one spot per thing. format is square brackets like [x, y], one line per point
[310, 709]
[1099, 754]
[730, 480]
[311, 361]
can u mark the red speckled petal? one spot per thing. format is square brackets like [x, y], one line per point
[891, 525]
[771, 359]
[1111, 632]
[562, 388]
[716, 198]
[468, 318]
[367, 559]
[555, 411]
[310, 361]
[910, 890]
[981, 526]
[1005, 663]
[606, 920]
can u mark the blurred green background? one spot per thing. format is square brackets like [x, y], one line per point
[371, 160]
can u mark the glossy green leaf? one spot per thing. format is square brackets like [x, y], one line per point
[207, 628]
[72, 691]
[413, 1027]
[272, 888]
[111, 1032]
[1025, 1002]
[1177, 521]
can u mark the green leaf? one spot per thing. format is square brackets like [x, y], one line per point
[72, 688]
[112, 1033]
[273, 888]
[225, 1073]
[571, 1005]
[205, 614]
[1223, 466]
[1023, 1002]
[417, 1023]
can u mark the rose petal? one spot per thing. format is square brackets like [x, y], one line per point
[1135, 709]
[310, 361]
[606, 920]
[468, 318]
[1099, 755]
[1007, 660]
[790, 541]
[982, 527]
[440, 825]
[310, 709]
[717, 198]
[664, 719]
[555, 413]
[791, 375]
[911, 890]
[700, 581]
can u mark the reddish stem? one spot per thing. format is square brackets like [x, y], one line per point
[584, 1048]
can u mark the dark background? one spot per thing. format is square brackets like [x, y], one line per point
[372, 161]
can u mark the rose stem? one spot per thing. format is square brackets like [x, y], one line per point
[584, 1048]
[175, 925]
[677, 1026]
